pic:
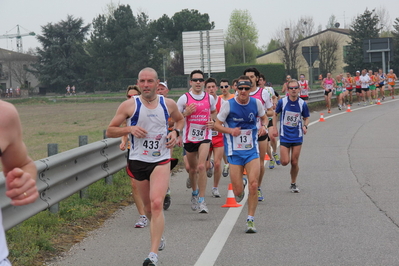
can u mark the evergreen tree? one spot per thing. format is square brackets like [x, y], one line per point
[364, 27]
[62, 59]
[395, 33]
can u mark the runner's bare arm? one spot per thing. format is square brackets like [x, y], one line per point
[115, 130]
[19, 169]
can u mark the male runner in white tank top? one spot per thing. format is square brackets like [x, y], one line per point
[149, 159]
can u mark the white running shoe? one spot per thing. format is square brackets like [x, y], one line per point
[194, 203]
[294, 188]
[162, 244]
[142, 222]
[226, 170]
[215, 192]
[202, 208]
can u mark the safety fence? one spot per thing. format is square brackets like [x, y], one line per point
[61, 175]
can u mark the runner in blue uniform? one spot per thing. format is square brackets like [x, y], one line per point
[240, 141]
[294, 120]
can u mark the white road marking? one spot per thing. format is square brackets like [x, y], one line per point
[215, 245]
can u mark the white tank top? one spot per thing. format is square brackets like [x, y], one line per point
[151, 148]
[3, 243]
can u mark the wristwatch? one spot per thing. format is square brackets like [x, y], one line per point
[305, 126]
[178, 132]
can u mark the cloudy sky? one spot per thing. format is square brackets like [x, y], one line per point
[269, 16]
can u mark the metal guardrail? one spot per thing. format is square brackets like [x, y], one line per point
[64, 174]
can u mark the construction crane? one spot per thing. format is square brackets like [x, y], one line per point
[18, 36]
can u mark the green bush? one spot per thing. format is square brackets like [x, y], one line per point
[274, 73]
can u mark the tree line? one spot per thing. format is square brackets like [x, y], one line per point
[117, 47]
[117, 44]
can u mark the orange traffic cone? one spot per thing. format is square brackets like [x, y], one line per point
[348, 110]
[322, 118]
[378, 101]
[267, 157]
[231, 200]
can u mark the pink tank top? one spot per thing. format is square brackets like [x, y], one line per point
[195, 127]
[328, 84]
[258, 95]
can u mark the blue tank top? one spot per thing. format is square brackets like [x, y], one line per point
[243, 116]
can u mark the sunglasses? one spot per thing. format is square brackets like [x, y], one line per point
[129, 96]
[243, 88]
[196, 80]
[293, 88]
[225, 86]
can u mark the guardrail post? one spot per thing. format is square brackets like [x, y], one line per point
[83, 140]
[52, 149]
[108, 179]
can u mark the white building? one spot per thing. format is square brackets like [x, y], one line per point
[14, 71]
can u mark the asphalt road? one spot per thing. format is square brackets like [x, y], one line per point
[347, 212]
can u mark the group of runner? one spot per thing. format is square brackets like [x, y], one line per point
[10, 92]
[369, 87]
[234, 127]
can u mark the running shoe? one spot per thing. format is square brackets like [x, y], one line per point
[250, 227]
[241, 196]
[393, 97]
[277, 158]
[151, 261]
[215, 192]
[383, 98]
[271, 164]
[260, 195]
[167, 201]
[358, 103]
[294, 188]
[226, 170]
[209, 172]
[142, 222]
[202, 208]
[162, 244]
[188, 182]
[329, 111]
[371, 102]
[194, 202]
[364, 103]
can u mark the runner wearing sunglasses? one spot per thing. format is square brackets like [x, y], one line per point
[294, 120]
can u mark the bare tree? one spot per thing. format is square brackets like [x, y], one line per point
[17, 66]
[384, 24]
[287, 37]
[305, 27]
[328, 47]
[331, 22]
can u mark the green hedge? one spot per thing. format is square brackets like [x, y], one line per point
[274, 73]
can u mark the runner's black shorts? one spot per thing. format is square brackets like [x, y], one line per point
[194, 146]
[140, 170]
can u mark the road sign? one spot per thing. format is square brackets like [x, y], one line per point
[311, 54]
[378, 50]
[204, 50]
